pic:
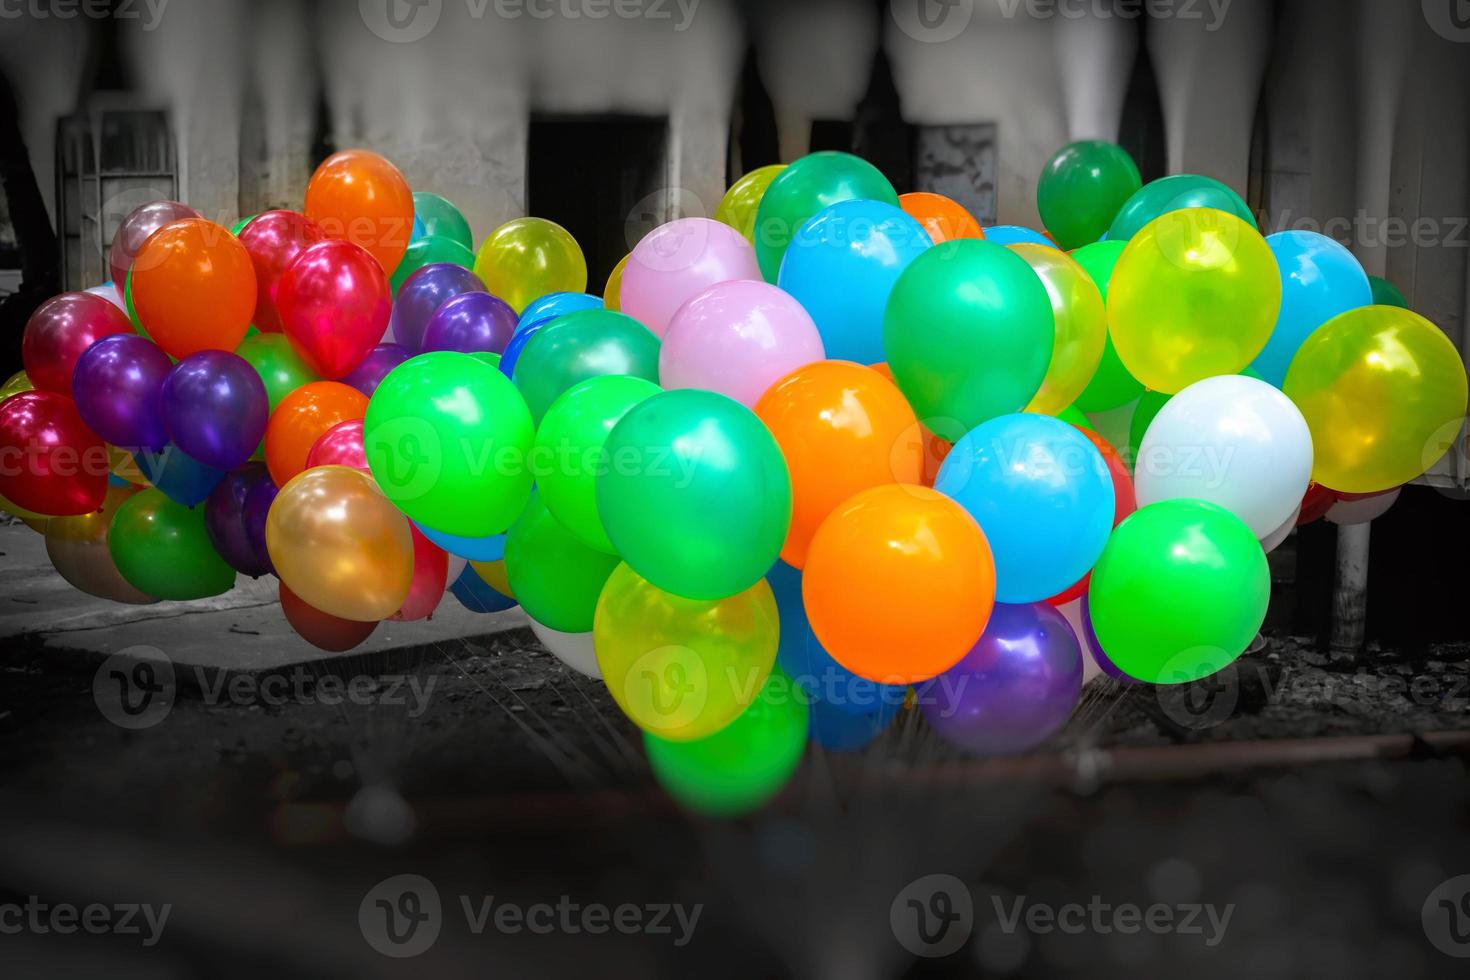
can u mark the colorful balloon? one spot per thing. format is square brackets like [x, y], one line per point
[675, 460]
[556, 577]
[300, 420]
[1111, 385]
[225, 522]
[890, 548]
[612, 292]
[77, 547]
[193, 287]
[1080, 326]
[1386, 293]
[375, 367]
[322, 630]
[421, 294]
[282, 370]
[430, 579]
[215, 407]
[162, 549]
[140, 223]
[1175, 193]
[440, 217]
[341, 445]
[490, 548]
[358, 196]
[931, 447]
[15, 384]
[682, 668]
[53, 464]
[676, 262]
[471, 323]
[60, 332]
[430, 250]
[1383, 391]
[1125, 502]
[741, 202]
[575, 650]
[1082, 188]
[552, 305]
[530, 257]
[478, 597]
[274, 239]
[816, 181]
[943, 219]
[177, 475]
[579, 346]
[334, 304]
[1319, 280]
[117, 384]
[1017, 235]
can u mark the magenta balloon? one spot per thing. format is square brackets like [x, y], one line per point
[422, 293]
[471, 323]
[676, 261]
[117, 385]
[215, 408]
[341, 445]
[274, 239]
[134, 231]
[334, 304]
[59, 333]
[375, 367]
[738, 338]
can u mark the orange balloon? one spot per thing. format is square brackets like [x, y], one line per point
[944, 219]
[933, 447]
[194, 288]
[301, 418]
[899, 583]
[360, 197]
[842, 428]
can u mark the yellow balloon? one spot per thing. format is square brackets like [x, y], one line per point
[1195, 294]
[613, 291]
[492, 573]
[15, 384]
[122, 465]
[527, 258]
[681, 668]
[1383, 391]
[1081, 323]
[738, 206]
[77, 547]
[340, 545]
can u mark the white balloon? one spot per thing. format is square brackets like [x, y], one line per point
[572, 649]
[109, 292]
[1231, 440]
[1273, 540]
[1363, 509]
[456, 569]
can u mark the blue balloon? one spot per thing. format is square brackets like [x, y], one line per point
[838, 730]
[1013, 234]
[419, 230]
[518, 342]
[813, 670]
[476, 596]
[1319, 280]
[490, 548]
[179, 476]
[553, 305]
[841, 266]
[1042, 494]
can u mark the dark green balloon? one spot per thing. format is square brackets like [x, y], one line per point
[1082, 188]
[440, 217]
[429, 250]
[1174, 194]
[162, 548]
[581, 345]
[969, 334]
[555, 577]
[1111, 385]
[812, 183]
[1386, 293]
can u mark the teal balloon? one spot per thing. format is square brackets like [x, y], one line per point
[581, 345]
[1386, 293]
[969, 334]
[1174, 194]
[695, 495]
[811, 184]
[440, 217]
[430, 250]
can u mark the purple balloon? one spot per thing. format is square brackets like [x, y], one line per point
[375, 367]
[1099, 657]
[471, 323]
[215, 408]
[116, 385]
[1018, 684]
[422, 293]
[257, 506]
[224, 519]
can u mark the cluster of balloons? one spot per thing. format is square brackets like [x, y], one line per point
[830, 453]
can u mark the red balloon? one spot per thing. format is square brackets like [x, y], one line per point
[50, 462]
[334, 304]
[59, 333]
[274, 239]
[341, 445]
[134, 231]
[1125, 502]
[1316, 502]
[430, 579]
[322, 630]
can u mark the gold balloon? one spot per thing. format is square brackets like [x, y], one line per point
[1194, 295]
[738, 206]
[339, 544]
[123, 466]
[36, 522]
[612, 293]
[15, 384]
[529, 257]
[77, 546]
[1081, 323]
[492, 573]
[1383, 392]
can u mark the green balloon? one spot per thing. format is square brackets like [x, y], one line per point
[812, 183]
[277, 363]
[133, 310]
[695, 497]
[1386, 293]
[1174, 194]
[555, 577]
[446, 437]
[570, 450]
[239, 226]
[581, 345]
[1111, 385]
[1150, 403]
[440, 217]
[1179, 592]
[162, 548]
[1073, 415]
[968, 333]
[1082, 188]
[740, 767]
[429, 250]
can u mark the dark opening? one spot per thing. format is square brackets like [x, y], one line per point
[1141, 131]
[594, 177]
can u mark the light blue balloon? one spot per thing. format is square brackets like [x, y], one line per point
[477, 596]
[1014, 234]
[553, 305]
[419, 230]
[1320, 279]
[842, 265]
[1042, 494]
[490, 548]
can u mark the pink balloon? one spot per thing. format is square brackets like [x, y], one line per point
[59, 333]
[738, 338]
[341, 445]
[676, 261]
[334, 304]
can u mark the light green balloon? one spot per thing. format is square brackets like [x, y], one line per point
[570, 450]
[816, 181]
[1112, 385]
[163, 550]
[556, 578]
[581, 345]
[278, 364]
